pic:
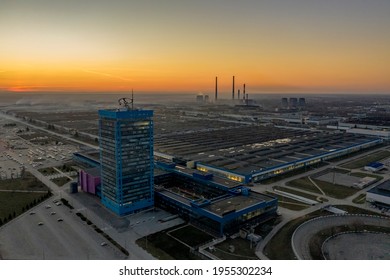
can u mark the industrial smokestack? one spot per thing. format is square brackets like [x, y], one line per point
[216, 88]
[244, 92]
[233, 89]
[238, 94]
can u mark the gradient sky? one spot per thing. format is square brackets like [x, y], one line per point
[181, 45]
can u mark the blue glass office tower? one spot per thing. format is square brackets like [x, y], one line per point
[126, 155]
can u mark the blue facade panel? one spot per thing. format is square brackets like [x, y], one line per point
[126, 155]
[125, 114]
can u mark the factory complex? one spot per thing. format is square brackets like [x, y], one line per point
[185, 178]
[255, 153]
[202, 176]
[134, 178]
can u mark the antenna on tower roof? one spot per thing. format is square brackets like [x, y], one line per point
[124, 102]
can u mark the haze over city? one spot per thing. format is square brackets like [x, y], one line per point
[194, 130]
[180, 46]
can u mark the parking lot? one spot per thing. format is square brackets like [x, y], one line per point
[358, 246]
[49, 231]
[9, 169]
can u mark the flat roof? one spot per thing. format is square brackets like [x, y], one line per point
[223, 205]
[94, 155]
[224, 141]
[382, 189]
[175, 196]
[375, 164]
[235, 203]
[251, 161]
[216, 179]
[158, 171]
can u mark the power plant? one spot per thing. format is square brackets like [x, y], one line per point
[216, 88]
[293, 103]
[233, 89]
[244, 97]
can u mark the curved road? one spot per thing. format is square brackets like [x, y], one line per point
[302, 235]
[289, 215]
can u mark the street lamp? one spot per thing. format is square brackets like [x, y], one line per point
[334, 173]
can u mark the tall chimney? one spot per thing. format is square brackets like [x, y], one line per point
[244, 92]
[247, 96]
[216, 88]
[238, 93]
[233, 89]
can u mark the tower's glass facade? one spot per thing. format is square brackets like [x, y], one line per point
[126, 154]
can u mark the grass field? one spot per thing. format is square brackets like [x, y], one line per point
[151, 248]
[192, 236]
[360, 199]
[13, 202]
[60, 181]
[66, 167]
[242, 250]
[28, 182]
[265, 228]
[279, 247]
[288, 203]
[361, 162]
[283, 189]
[164, 247]
[332, 190]
[17, 202]
[48, 171]
[303, 183]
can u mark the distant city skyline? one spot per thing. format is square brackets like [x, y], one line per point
[281, 46]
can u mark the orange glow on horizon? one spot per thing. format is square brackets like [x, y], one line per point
[309, 47]
[271, 78]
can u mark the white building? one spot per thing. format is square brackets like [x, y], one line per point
[374, 166]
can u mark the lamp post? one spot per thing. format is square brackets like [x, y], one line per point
[334, 173]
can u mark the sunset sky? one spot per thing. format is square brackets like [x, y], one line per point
[335, 46]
